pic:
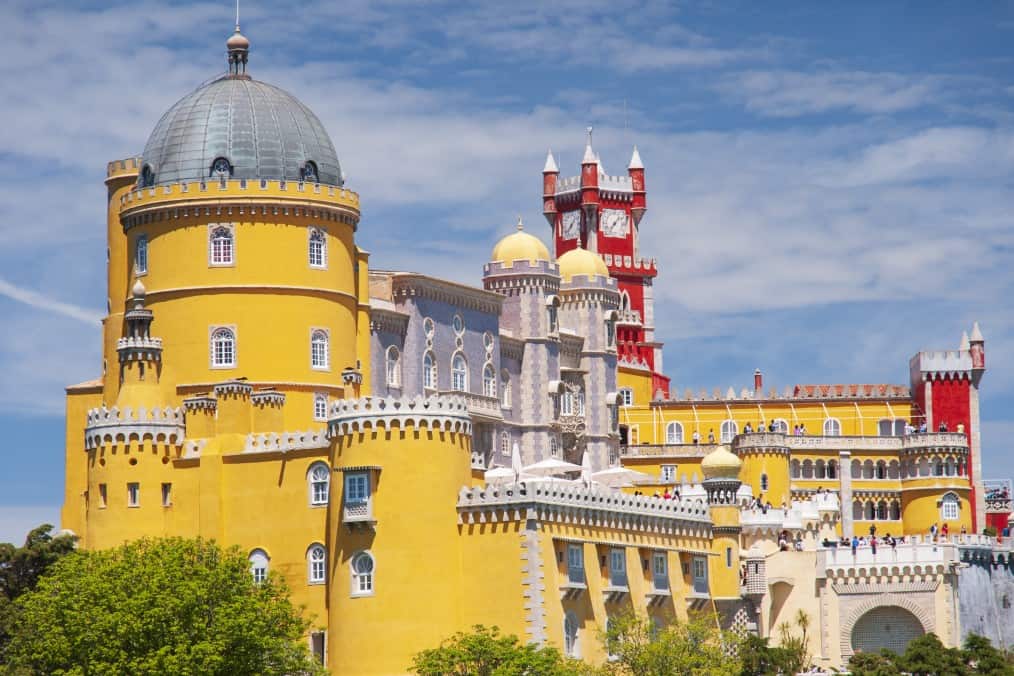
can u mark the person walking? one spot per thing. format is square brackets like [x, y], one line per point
[855, 545]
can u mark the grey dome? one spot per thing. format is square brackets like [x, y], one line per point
[263, 132]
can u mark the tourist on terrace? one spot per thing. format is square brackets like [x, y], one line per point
[667, 495]
[873, 544]
[909, 428]
[891, 541]
[964, 531]
[922, 427]
[696, 437]
[873, 529]
[933, 532]
[802, 429]
[747, 429]
[855, 544]
[798, 544]
[711, 436]
[944, 531]
[943, 426]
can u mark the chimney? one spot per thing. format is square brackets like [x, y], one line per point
[758, 382]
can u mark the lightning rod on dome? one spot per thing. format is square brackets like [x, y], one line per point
[237, 16]
[521, 226]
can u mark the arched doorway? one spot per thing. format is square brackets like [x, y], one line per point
[888, 627]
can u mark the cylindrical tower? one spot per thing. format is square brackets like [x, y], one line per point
[395, 570]
[721, 469]
[241, 228]
[765, 459]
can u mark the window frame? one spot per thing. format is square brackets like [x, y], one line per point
[505, 389]
[626, 396]
[318, 485]
[216, 257]
[167, 494]
[724, 436]
[947, 501]
[670, 426]
[141, 255]
[392, 366]
[658, 575]
[317, 236]
[489, 388]
[667, 474]
[459, 374]
[834, 424]
[618, 567]
[133, 494]
[320, 412]
[357, 489]
[213, 332]
[362, 583]
[316, 567]
[316, 333]
[429, 370]
[571, 635]
[259, 574]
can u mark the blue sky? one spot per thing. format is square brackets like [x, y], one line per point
[830, 187]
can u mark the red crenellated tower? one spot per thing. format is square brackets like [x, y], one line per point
[603, 214]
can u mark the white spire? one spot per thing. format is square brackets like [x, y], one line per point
[589, 154]
[965, 346]
[237, 16]
[635, 160]
[598, 161]
[977, 334]
[550, 167]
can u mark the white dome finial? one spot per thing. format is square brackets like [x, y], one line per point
[138, 291]
[589, 154]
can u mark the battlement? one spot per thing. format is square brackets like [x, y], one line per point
[947, 363]
[913, 443]
[268, 398]
[233, 387]
[846, 392]
[823, 507]
[629, 264]
[616, 184]
[200, 402]
[439, 412]
[285, 441]
[593, 506]
[125, 167]
[251, 195]
[139, 348]
[520, 267]
[112, 426]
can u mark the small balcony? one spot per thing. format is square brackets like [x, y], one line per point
[358, 514]
[574, 585]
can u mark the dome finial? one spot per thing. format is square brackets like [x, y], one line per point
[239, 48]
[521, 225]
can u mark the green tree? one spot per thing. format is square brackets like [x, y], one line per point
[927, 656]
[873, 664]
[980, 655]
[696, 647]
[170, 606]
[21, 567]
[790, 656]
[485, 652]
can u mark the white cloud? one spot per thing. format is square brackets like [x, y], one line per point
[46, 303]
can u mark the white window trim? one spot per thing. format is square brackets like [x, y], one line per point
[723, 435]
[211, 347]
[133, 494]
[392, 376]
[678, 438]
[267, 563]
[464, 359]
[212, 227]
[457, 318]
[505, 389]
[663, 471]
[947, 500]
[310, 484]
[352, 478]
[317, 398]
[626, 396]
[139, 270]
[310, 577]
[489, 385]
[327, 348]
[831, 421]
[432, 373]
[354, 582]
[323, 247]
[571, 638]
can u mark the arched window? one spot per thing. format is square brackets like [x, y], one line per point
[258, 565]
[764, 482]
[488, 381]
[881, 472]
[895, 510]
[362, 574]
[505, 389]
[808, 469]
[885, 427]
[570, 638]
[729, 431]
[221, 168]
[554, 447]
[938, 467]
[223, 348]
[309, 172]
[320, 406]
[832, 470]
[882, 511]
[819, 470]
[552, 318]
[141, 255]
[611, 332]
[674, 433]
[459, 373]
[429, 328]
[393, 362]
[316, 563]
[624, 301]
[220, 246]
[318, 349]
[868, 469]
[567, 403]
[950, 507]
[318, 249]
[147, 177]
[319, 478]
[429, 371]
[832, 427]
[794, 469]
[459, 324]
[857, 510]
[579, 401]
[871, 511]
[781, 425]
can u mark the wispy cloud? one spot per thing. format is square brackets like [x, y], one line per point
[45, 303]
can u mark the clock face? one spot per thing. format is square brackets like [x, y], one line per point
[614, 222]
[571, 224]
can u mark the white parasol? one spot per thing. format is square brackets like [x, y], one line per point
[551, 467]
[620, 476]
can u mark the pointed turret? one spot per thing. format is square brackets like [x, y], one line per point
[977, 346]
[976, 336]
[636, 171]
[965, 346]
[550, 175]
[590, 192]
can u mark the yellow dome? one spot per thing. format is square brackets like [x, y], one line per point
[520, 246]
[581, 262]
[721, 463]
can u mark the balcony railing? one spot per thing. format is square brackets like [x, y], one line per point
[913, 442]
[359, 512]
[667, 450]
[909, 554]
[479, 405]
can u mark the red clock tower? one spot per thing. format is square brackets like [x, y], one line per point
[603, 214]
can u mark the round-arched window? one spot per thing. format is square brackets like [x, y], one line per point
[362, 574]
[459, 373]
[221, 168]
[310, 172]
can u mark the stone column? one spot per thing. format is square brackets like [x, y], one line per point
[845, 491]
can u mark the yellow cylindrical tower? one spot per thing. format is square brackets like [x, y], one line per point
[765, 466]
[721, 469]
[396, 566]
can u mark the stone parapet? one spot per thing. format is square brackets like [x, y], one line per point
[595, 506]
[139, 348]
[112, 426]
[440, 412]
[910, 443]
[285, 441]
[915, 556]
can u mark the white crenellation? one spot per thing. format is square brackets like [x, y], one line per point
[200, 402]
[236, 387]
[442, 412]
[285, 441]
[111, 426]
[268, 398]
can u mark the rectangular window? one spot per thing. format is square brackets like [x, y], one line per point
[633, 436]
[357, 488]
[320, 406]
[728, 557]
[700, 575]
[627, 396]
[575, 563]
[617, 568]
[102, 496]
[567, 403]
[317, 647]
[668, 474]
[141, 255]
[660, 570]
[167, 495]
[133, 494]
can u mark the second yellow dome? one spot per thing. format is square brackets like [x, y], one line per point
[581, 262]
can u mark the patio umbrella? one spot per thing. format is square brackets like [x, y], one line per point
[586, 469]
[620, 476]
[551, 467]
[500, 475]
[516, 461]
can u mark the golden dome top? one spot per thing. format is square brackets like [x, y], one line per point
[581, 262]
[721, 463]
[520, 246]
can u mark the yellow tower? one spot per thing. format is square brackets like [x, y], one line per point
[396, 569]
[721, 470]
